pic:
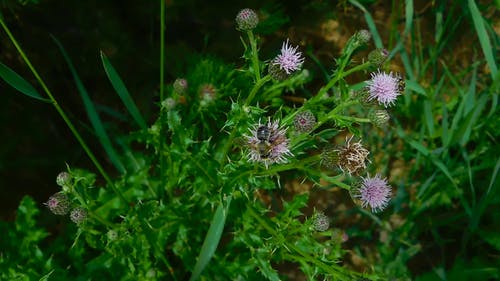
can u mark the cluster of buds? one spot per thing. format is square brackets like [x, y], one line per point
[60, 204]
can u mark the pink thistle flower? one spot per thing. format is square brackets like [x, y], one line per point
[374, 192]
[385, 88]
[268, 143]
[290, 58]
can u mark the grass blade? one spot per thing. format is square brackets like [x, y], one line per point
[371, 24]
[92, 113]
[122, 91]
[484, 39]
[18, 83]
[408, 16]
[211, 240]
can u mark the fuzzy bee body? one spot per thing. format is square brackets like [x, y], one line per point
[263, 133]
[264, 149]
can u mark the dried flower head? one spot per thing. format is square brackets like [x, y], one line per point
[378, 56]
[383, 87]
[180, 86]
[268, 143]
[379, 117]
[63, 179]
[58, 204]
[352, 157]
[321, 222]
[304, 121]
[374, 192]
[78, 215]
[247, 19]
[290, 59]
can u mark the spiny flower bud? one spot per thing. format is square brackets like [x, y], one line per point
[207, 94]
[112, 235]
[329, 158]
[378, 56]
[361, 38]
[180, 86]
[63, 179]
[246, 19]
[78, 215]
[379, 117]
[58, 204]
[168, 103]
[363, 96]
[352, 157]
[320, 222]
[304, 121]
[276, 72]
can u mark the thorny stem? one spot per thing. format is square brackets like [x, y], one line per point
[162, 90]
[255, 58]
[61, 112]
[330, 268]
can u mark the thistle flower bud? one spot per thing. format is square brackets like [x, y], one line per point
[112, 235]
[58, 204]
[246, 19]
[168, 103]
[320, 222]
[379, 118]
[329, 158]
[361, 38]
[304, 121]
[207, 94]
[63, 179]
[78, 215]
[180, 86]
[378, 56]
[276, 72]
[363, 96]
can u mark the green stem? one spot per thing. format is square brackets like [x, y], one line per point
[330, 268]
[61, 111]
[248, 100]
[353, 119]
[255, 55]
[162, 90]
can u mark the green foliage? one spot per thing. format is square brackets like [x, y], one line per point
[189, 202]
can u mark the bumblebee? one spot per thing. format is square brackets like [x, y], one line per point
[263, 133]
[264, 149]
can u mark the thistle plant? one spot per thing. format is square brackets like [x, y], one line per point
[207, 155]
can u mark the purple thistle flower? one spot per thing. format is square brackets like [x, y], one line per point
[247, 19]
[385, 88]
[268, 143]
[290, 59]
[374, 192]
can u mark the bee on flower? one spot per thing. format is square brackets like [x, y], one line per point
[268, 143]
